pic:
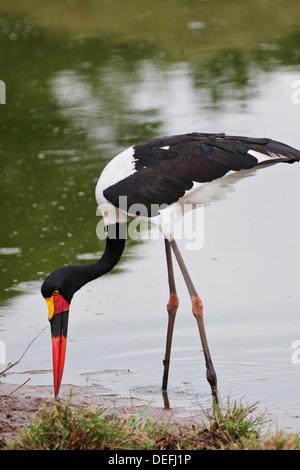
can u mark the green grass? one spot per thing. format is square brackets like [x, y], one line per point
[66, 427]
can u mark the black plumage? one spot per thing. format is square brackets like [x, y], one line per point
[167, 167]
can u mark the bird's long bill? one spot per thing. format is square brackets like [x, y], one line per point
[59, 327]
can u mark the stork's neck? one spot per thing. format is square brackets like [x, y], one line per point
[115, 243]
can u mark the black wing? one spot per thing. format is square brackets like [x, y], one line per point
[167, 167]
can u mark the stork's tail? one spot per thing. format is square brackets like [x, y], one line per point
[273, 152]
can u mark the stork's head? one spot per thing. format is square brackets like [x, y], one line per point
[58, 290]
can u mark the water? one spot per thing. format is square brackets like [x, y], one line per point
[80, 88]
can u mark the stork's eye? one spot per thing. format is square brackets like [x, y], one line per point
[55, 292]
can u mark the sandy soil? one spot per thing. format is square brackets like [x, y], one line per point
[19, 406]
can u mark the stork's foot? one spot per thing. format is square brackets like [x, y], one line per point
[197, 308]
[166, 399]
[212, 380]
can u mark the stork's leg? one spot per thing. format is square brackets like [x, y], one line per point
[197, 306]
[172, 309]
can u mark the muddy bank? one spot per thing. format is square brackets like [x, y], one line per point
[19, 406]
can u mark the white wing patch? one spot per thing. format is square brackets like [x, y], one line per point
[262, 157]
[119, 168]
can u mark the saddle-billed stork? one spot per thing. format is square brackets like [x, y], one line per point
[155, 180]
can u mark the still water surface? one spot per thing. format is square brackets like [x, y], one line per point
[77, 94]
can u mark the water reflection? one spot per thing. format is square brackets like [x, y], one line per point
[74, 101]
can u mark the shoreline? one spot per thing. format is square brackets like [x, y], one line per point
[19, 405]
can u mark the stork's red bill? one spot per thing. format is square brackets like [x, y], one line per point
[58, 309]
